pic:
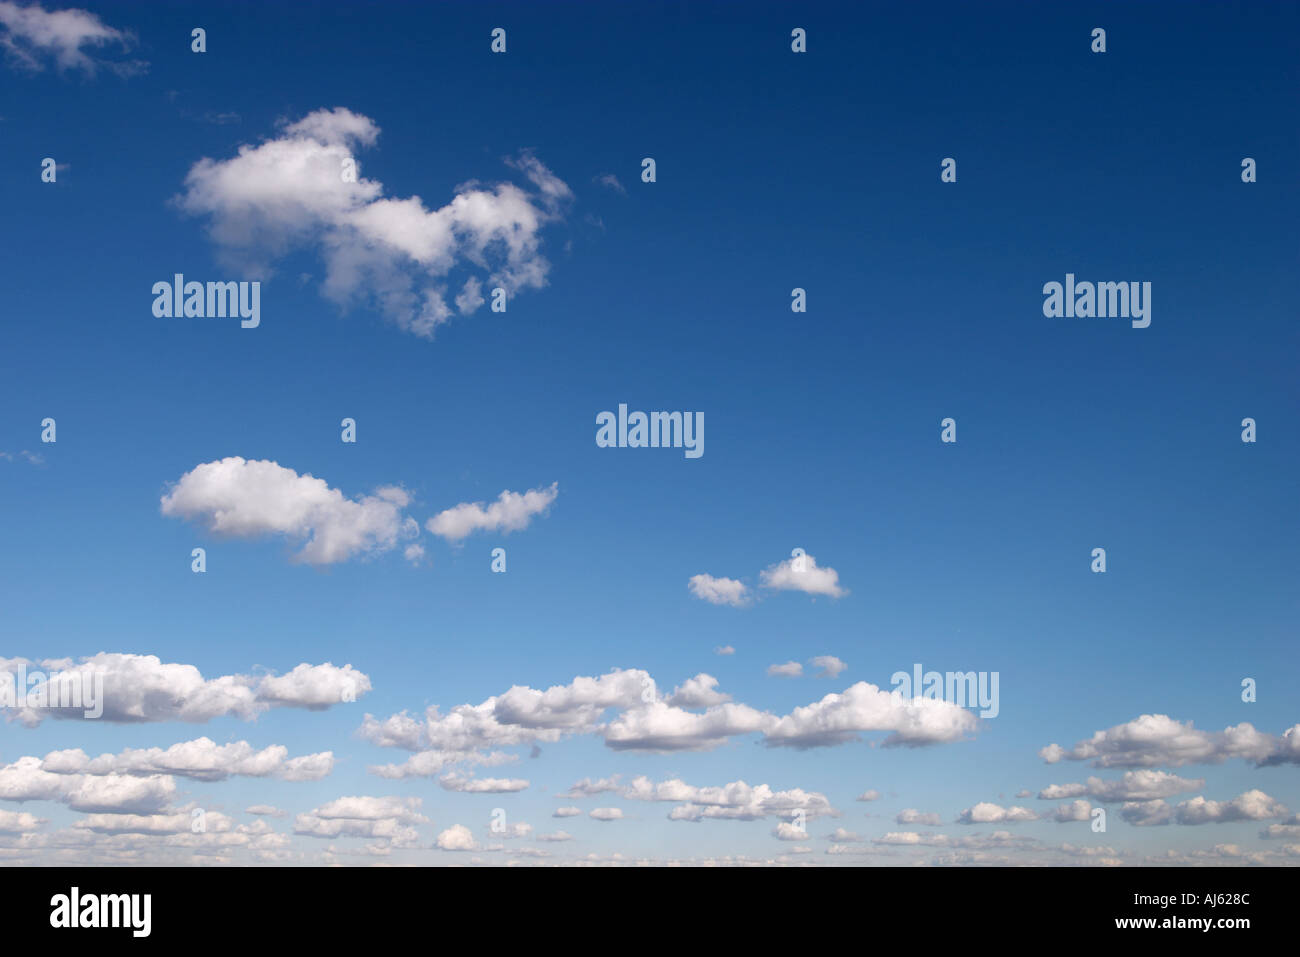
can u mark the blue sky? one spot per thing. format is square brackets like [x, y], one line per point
[775, 170]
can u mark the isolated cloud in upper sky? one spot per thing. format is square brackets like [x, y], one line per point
[719, 591]
[1154, 740]
[251, 499]
[509, 513]
[828, 666]
[34, 37]
[303, 189]
[141, 688]
[791, 669]
[797, 573]
[802, 574]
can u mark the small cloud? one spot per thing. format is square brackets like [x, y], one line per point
[830, 666]
[718, 591]
[610, 181]
[803, 574]
[871, 795]
[791, 669]
[724, 650]
[511, 512]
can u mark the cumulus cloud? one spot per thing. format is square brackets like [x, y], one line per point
[511, 512]
[869, 795]
[863, 707]
[389, 821]
[27, 780]
[1154, 740]
[724, 650]
[1146, 813]
[457, 838]
[253, 499]
[569, 811]
[660, 727]
[427, 764]
[698, 692]
[1073, 811]
[791, 669]
[718, 591]
[303, 189]
[787, 831]
[1143, 785]
[469, 785]
[1254, 805]
[19, 822]
[141, 688]
[606, 814]
[912, 816]
[802, 573]
[201, 759]
[34, 37]
[737, 801]
[643, 721]
[828, 666]
[986, 813]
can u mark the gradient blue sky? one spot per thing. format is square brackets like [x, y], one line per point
[775, 170]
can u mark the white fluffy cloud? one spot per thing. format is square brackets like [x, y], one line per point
[457, 838]
[26, 780]
[643, 721]
[863, 707]
[389, 821]
[698, 692]
[606, 814]
[511, 512]
[986, 813]
[252, 499]
[19, 822]
[33, 37]
[294, 191]
[735, 801]
[201, 759]
[1154, 740]
[470, 785]
[660, 727]
[719, 591]
[1143, 785]
[139, 688]
[1072, 811]
[1254, 805]
[803, 574]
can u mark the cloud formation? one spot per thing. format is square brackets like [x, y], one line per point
[511, 512]
[1155, 740]
[303, 189]
[33, 38]
[142, 688]
[252, 499]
